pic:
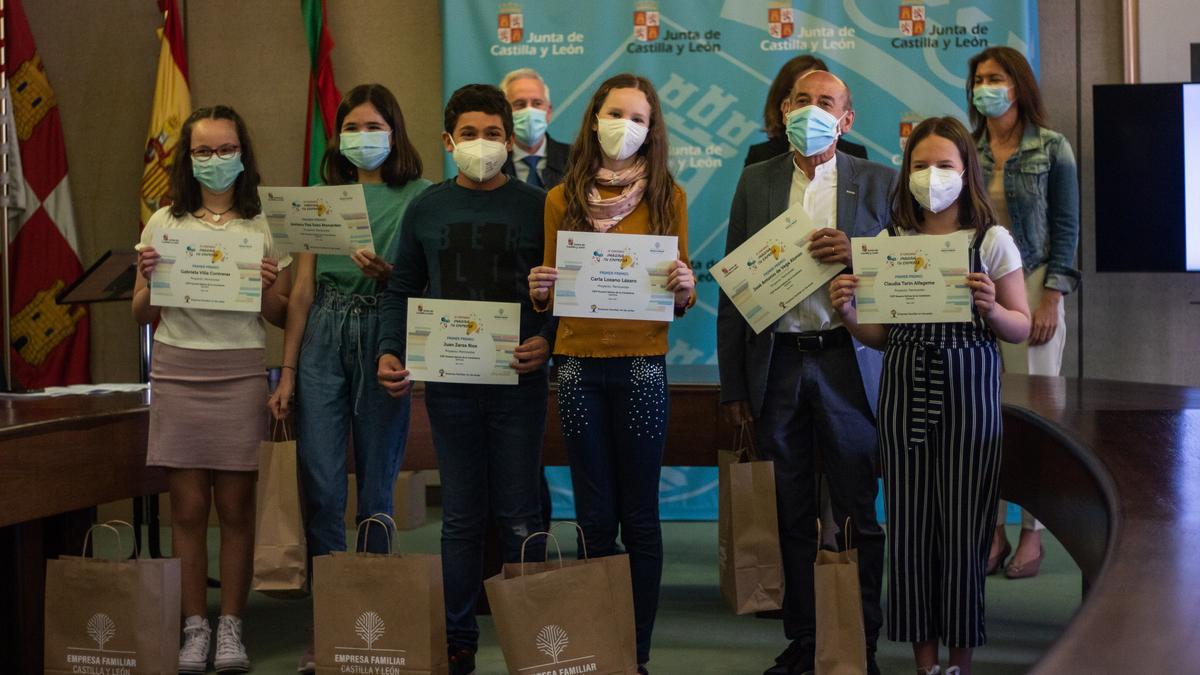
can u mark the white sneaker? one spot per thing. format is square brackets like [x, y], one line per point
[193, 655]
[231, 653]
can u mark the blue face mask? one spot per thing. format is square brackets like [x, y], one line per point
[529, 126]
[216, 174]
[812, 130]
[991, 100]
[365, 149]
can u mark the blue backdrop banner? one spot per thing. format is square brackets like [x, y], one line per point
[712, 62]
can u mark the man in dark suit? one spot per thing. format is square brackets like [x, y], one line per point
[536, 158]
[808, 388]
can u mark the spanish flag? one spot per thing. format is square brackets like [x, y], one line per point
[323, 96]
[172, 105]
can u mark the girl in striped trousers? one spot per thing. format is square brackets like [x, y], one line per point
[939, 404]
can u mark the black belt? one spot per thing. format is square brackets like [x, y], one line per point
[815, 341]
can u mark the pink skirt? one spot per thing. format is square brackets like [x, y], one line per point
[207, 408]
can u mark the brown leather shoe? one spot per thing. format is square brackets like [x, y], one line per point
[1017, 570]
[996, 562]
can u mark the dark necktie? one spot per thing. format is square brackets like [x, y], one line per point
[532, 162]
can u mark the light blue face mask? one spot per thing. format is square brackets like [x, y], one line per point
[812, 130]
[991, 100]
[365, 149]
[216, 174]
[529, 126]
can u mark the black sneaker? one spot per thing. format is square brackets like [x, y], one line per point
[462, 660]
[799, 657]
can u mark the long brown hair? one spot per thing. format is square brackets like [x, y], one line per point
[781, 88]
[402, 163]
[185, 189]
[974, 209]
[586, 157]
[1027, 96]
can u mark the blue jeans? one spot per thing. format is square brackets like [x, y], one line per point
[614, 422]
[336, 392]
[489, 447]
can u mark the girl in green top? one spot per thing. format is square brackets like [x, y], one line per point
[333, 325]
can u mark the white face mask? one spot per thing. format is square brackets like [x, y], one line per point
[479, 159]
[620, 138]
[935, 188]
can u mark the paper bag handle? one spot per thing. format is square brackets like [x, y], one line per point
[745, 433]
[582, 536]
[548, 536]
[375, 518]
[845, 532]
[275, 430]
[108, 525]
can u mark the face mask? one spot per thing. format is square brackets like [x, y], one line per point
[812, 130]
[217, 174]
[529, 126]
[365, 149]
[479, 159]
[935, 188]
[620, 138]
[991, 101]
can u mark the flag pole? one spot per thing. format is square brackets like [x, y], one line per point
[4, 197]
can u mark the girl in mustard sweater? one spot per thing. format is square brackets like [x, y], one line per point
[612, 385]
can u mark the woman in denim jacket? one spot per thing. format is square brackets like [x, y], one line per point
[1032, 181]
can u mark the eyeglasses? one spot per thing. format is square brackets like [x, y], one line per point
[205, 153]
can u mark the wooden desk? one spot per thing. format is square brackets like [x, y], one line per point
[58, 458]
[1113, 470]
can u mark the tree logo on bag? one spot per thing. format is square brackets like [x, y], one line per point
[103, 658]
[370, 627]
[101, 629]
[551, 641]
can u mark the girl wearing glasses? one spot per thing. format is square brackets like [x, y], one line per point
[333, 328]
[209, 378]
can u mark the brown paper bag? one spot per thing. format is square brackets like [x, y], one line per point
[381, 613]
[567, 618]
[280, 557]
[112, 616]
[841, 639]
[748, 554]
[616, 569]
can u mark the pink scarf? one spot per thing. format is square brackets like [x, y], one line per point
[605, 212]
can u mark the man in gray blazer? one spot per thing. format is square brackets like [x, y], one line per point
[806, 386]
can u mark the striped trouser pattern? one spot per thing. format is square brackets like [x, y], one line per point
[940, 440]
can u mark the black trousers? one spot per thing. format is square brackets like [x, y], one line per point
[815, 406]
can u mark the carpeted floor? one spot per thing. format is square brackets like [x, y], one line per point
[695, 633]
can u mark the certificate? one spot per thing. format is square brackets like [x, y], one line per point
[330, 219]
[615, 276]
[773, 269]
[206, 269]
[462, 341]
[912, 279]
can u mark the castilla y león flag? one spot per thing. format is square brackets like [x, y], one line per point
[49, 341]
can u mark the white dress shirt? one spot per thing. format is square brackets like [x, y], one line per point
[522, 168]
[819, 199]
